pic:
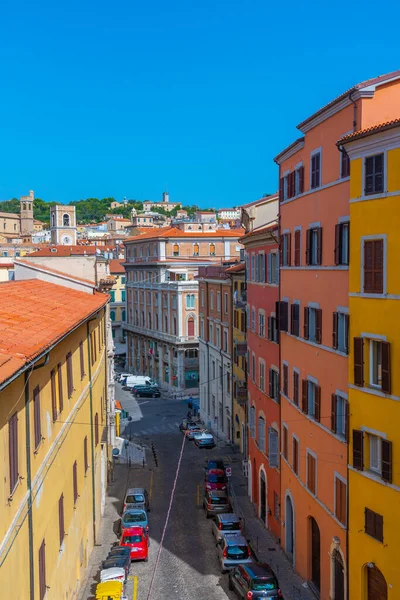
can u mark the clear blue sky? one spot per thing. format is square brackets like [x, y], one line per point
[125, 98]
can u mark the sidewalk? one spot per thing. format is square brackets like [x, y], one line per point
[264, 544]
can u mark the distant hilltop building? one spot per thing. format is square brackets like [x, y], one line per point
[228, 214]
[165, 204]
[13, 224]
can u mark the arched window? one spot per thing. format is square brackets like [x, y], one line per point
[196, 249]
[190, 327]
[175, 250]
[112, 315]
[189, 300]
[24, 206]
[66, 220]
[212, 249]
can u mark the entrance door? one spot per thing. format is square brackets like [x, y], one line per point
[377, 586]
[338, 576]
[315, 554]
[263, 497]
[190, 327]
[289, 539]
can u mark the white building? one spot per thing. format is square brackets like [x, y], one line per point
[228, 214]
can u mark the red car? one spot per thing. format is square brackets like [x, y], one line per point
[216, 479]
[136, 539]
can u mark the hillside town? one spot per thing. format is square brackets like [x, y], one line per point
[232, 364]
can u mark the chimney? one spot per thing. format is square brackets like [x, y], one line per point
[165, 197]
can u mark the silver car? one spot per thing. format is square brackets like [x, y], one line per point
[226, 523]
[233, 550]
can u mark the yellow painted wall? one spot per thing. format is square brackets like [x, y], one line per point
[52, 472]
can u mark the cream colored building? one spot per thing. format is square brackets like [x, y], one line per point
[165, 204]
[63, 225]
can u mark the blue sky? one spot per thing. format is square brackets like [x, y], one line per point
[129, 98]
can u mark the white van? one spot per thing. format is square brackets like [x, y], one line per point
[133, 380]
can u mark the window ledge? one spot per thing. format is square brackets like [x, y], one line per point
[375, 478]
[315, 345]
[374, 392]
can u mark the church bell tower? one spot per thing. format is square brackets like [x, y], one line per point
[63, 225]
[26, 211]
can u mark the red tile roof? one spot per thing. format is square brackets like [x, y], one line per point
[117, 266]
[37, 265]
[236, 268]
[174, 232]
[263, 229]
[34, 315]
[369, 131]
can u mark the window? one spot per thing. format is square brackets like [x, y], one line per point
[123, 280]
[13, 451]
[253, 267]
[123, 295]
[373, 524]
[211, 299]
[85, 454]
[313, 324]
[342, 240]
[61, 527]
[373, 268]
[340, 500]
[274, 384]
[261, 267]
[253, 319]
[75, 481]
[202, 329]
[261, 434]
[315, 170]
[211, 333]
[314, 246]
[254, 366]
[374, 453]
[112, 315]
[66, 220]
[374, 175]
[285, 370]
[42, 571]
[340, 332]
[252, 421]
[213, 369]
[273, 333]
[218, 302]
[285, 442]
[261, 371]
[380, 375]
[112, 295]
[295, 458]
[225, 340]
[285, 249]
[296, 388]
[70, 375]
[190, 300]
[37, 416]
[311, 399]
[226, 303]
[196, 249]
[261, 324]
[277, 512]
[344, 164]
[60, 388]
[212, 249]
[273, 267]
[96, 429]
[175, 250]
[380, 454]
[312, 473]
[190, 327]
[299, 180]
[295, 319]
[218, 337]
[339, 415]
[297, 248]
[273, 448]
[202, 297]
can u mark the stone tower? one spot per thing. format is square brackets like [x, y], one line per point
[63, 225]
[26, 203]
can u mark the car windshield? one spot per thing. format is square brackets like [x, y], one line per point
[238, 552]
[215, 465]
[230, 526]
[132, 539]
[131, 499]
[134, 517]
[216, 478]
[264, 583]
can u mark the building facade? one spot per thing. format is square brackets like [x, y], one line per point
[374, 383]
[165, 204]
[53, 388]
[63, 225]
[118, 301]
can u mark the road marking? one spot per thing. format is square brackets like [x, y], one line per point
[198, 495]
[146, 402]
[135, 586]
[151, 485]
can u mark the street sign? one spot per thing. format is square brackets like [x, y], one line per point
[228, 471]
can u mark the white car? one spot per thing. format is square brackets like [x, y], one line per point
[113, 574]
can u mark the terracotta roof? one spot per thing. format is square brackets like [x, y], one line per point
[174, 232]
[6, 265]
[369, 131]
[262, 229]
[79, 250]
[117, 266]
[236, 268]
[34, 315]
[37, 265]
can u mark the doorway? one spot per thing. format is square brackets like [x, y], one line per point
[263, 498]
[289, 531]
[338, 576]
[377, 586]
[315, 555]
[254, 495]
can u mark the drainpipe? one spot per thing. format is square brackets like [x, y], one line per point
[91, 426]
[29, 475]
[354, 111]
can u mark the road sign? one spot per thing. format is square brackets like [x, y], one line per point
[228, 471]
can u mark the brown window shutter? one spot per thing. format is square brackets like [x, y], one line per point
[295, 462]
[304, 396]
[296, 387]
[358, 449]
[289, 185]
[285, 380]
[387, 461]
[319, 246]
[297, 249]
[386, 372]
[288, 248]
[293, 183]
[359, 361]
[96, 428]
[61, 526]
[346, 421]
[306, 320]
[333, 412]
[378, 266]
[13, 450]
[85, 453]
[37, 416]
[270, 328]
[318, 325]
[53, 395]
[308, 246]
[281, 246]
[42, 571]
[82, 360]
[378, 527]
[285, 442]
[317, 404]
[311, 473]
[281, 188]
[271, 384]
[75, 481]
[335, 326]
[301, 179]
[338, 235]
[368, 266]
[369, 517]
[295, 319]
[347, 330]
[60, 387]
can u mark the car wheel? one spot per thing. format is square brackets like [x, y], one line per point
[230, 586]
[147, 559]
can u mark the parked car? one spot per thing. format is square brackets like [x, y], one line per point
[214, 463]
[146, 391]
[117, 561]
[226, 523]
[118, 551]
[216, 502]
[136, 498]
[123, 376]
[185, 424]
[110, 589]
[216, 480]
[204, 440]
[232, 550]
[133, 380]
[255, 580]
[135, 518]
[113, 574]
[192, 430]
[136, 540]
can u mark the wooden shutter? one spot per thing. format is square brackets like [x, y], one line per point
[70, 380]
[386, 371]
[346, 421]
[311, 473]
[281, 247]
[341, 500]
[317, 403]
[271, 383]
[270, 328]
[75, 481]
[338, 235]
[288, 249]
[285, 380]
[359, 361]
[306, 321]
[318, 325]
[53, 394]
[297, 248]
[358, 449]
[335, 328]
[37, 416]
[61, 527]
[13, 450]
[282, 314]
[273, 448]
[96, 428]
[387, 461]
[60, 387]
[374, 524]
[85, 453]
[378, 266]
[368, 266]
[295, 319]
[42, 571]
[373, 266]
[304, 396]
[319, 246]
[82, 359]
[333, 412]
[301, 179]
[281, 189]
[296, 379]
[293, 177]
[308, 246]
[285, 442]
[346, 332]
[295, 450]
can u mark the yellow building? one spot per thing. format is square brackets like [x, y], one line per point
[374, 377]
[239, 353]
[53, 382]
[118, 300]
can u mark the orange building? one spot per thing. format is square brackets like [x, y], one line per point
[314, 321]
